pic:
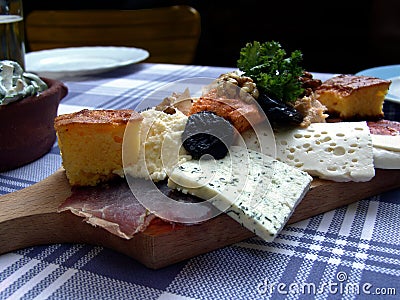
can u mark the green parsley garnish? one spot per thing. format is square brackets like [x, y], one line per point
[275, 73]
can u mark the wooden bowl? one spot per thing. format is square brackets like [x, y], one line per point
[27, 126]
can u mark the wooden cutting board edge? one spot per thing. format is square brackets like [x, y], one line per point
[29, 217]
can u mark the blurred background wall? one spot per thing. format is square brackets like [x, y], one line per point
[334, 36]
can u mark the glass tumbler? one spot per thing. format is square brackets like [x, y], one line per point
[12, 36]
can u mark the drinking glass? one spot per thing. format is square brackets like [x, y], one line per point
[12, 37]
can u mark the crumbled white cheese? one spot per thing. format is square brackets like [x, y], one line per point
[254, 189]
[160, 145]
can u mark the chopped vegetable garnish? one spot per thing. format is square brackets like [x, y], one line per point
[15, 84]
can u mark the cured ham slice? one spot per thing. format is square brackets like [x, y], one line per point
[115, 208]
[111, 206]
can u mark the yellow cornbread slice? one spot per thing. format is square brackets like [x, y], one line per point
[90, 143]
[353, 96]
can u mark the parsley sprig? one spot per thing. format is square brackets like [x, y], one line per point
[275, 73]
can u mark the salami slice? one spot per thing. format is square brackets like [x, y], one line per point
[384, 127]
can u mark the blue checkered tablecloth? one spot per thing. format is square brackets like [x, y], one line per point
[348, 253]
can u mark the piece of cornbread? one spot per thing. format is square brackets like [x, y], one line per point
[353, 96]
[90, 143]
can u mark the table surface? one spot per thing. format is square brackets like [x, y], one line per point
[348, 253]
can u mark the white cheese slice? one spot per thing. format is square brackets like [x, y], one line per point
[388, 142]
[386, 151]
[334, 151]
[385, 159]
[256, 190]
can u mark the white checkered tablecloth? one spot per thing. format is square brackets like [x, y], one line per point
[350, 253]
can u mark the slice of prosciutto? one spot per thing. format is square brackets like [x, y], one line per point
[111, 206]
[115, 208]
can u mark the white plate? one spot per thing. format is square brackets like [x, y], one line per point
[387, 72]
[78, 61]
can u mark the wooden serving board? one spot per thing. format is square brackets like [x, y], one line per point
[29, 217]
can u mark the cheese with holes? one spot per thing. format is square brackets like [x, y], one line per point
[256, 190]
[335, 151]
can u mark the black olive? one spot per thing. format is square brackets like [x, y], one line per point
[207, 133]
[278, 111]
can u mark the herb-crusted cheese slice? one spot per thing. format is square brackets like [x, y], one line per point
[256, 190]
[335, 151]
